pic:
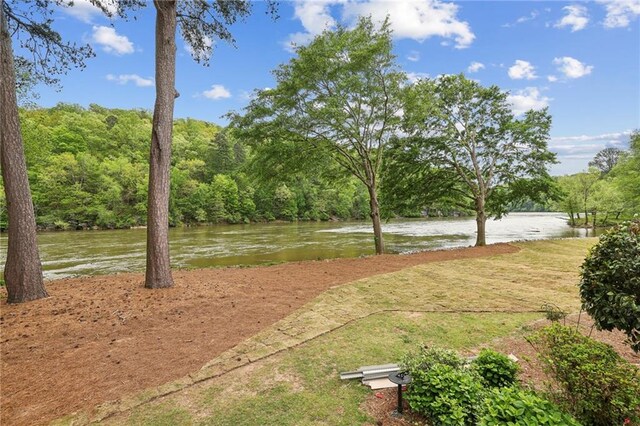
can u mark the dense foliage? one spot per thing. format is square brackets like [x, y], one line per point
[340, 95]
[446, 395]
[608, 191]
[496, 369]
[590, 379]
[448, 390]
[466, 148]
[517, 407]
[610, 283]
[89, 167]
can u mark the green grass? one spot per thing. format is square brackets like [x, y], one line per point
[300, 385]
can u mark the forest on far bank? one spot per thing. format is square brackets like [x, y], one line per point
[88, 168]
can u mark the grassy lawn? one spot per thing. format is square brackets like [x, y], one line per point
[370, 321]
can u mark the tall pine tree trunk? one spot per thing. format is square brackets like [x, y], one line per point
[158, 272]
[23, 270]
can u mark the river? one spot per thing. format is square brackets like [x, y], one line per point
[74, 253]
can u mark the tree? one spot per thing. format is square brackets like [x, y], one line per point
[606, 159]
[626, 175]
[585, 182]
[30, 23]
[200, 21]
[610, 282]
[485, 157]
[340, 95]
[23, 270]
[569, 201]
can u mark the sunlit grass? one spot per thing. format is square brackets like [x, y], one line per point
[300, 385]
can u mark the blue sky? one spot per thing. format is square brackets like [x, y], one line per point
[581, 59]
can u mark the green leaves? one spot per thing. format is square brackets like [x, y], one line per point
[610, 282]
[496, 369]
[464, 141]
[512, 406]
[590, 379]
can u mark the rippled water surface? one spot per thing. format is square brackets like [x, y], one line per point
[73, 253]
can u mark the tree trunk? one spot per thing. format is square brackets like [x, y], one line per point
[572, 220]
[586, 215]
[375, 218]
[158, 272]
[481, 221]
[23, 270]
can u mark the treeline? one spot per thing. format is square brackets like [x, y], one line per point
[608, 191]
[89, 168]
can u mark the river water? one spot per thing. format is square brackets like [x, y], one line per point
[74, 253]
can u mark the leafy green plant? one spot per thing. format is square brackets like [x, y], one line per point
[610, 284]
[553, 312]
[446, 395]
[495, 369]
[591, 380]
[427, 357]
[512, 406]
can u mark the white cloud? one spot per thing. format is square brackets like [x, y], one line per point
[217, 91]
[413, 19]
[572, 68]
[415, 76]
[585, 147]
[620, 13]
[414, 56]
[205, 54]
[85, 11]
[577, 18]
[111, 41]
[552, 78]
[135, 78]
[475, 67]
[526, 99]
[522, 70]
[417, 19]
[533, 15]
[315, 17]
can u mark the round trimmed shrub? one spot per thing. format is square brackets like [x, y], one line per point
[610, 283]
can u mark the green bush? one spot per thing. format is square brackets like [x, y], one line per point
[427, 357]
[610, 284]
[511, 406]
[592, 381]
[445, 395]
[496, 369]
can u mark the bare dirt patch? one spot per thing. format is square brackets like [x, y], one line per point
[99, 338]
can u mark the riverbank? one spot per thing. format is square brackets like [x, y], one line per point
[99, 338]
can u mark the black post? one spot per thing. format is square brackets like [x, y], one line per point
[399, 399]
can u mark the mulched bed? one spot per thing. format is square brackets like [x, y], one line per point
[100, 338]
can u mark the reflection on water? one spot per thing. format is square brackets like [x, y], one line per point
[66, 254]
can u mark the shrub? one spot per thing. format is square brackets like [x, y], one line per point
[427, 357]
[496, 369]
[610, 283]
[592, 381]
[511, 406]
[445, 395]
[553, 312]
